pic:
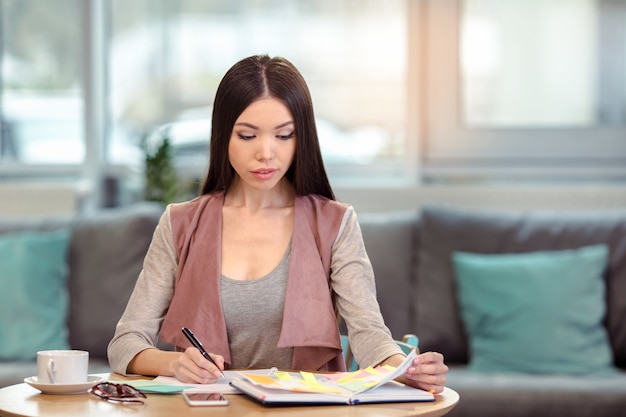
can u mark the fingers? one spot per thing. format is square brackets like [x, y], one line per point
[194, 368]
[428, 372]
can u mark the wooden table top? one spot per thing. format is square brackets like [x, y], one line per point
[23, 400]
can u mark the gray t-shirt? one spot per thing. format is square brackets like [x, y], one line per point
[253, 311]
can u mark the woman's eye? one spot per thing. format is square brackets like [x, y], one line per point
[287, 136]
[245, 137]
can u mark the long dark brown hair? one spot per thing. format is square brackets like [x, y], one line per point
[248, 80]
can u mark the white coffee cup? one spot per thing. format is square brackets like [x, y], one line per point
[62, 366]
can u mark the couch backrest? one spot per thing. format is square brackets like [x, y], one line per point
[445, 230]
[105, 256]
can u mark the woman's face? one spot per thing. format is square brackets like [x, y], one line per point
[263, 143]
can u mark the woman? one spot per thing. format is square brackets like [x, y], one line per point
[259, 264]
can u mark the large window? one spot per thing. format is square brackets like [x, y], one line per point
[167, 59]
[54, 124]
[524, 89]
[531, 63]
[405, 91]
[41, 102]
[162, 61]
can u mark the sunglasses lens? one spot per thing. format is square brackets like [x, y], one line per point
[106, 388]
[129, 390]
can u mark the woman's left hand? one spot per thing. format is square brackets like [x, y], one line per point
[427, 372]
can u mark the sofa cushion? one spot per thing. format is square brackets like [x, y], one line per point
[33, 300]
[507, 394]
[445, 230]
[537, 312]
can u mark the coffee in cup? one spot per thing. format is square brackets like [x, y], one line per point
[62, 366]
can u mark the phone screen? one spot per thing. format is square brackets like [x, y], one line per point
[205, 398]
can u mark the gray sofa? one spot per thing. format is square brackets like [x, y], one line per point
[410, 253]
[105, 254]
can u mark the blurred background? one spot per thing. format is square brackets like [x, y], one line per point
[414, 99]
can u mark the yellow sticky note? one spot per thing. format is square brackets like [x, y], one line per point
[313, 385]
[283, 376]
[309, 378]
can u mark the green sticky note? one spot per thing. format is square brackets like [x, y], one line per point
[147, 386]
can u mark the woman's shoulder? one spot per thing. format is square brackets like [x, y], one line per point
[187, 213]
[320, 207]
[196, 203]
[324, 203]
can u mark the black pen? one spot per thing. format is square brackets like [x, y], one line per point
[194, 341]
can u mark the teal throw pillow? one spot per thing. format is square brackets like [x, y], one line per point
[34, 297]
[537, 312]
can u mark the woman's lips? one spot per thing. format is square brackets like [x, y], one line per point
[264, 174]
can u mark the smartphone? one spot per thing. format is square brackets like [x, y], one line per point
[199, 398]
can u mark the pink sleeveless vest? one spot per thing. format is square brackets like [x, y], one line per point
[309, 319]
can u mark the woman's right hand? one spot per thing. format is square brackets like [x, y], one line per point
[192, 367]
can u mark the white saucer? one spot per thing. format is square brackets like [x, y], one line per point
[64, 388]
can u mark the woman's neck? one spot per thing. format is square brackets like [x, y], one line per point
[242, 196]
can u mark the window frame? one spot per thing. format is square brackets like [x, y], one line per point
[452, 151]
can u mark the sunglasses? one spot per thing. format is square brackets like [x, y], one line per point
[118, 393]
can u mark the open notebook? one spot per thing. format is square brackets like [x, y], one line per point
[370, 385]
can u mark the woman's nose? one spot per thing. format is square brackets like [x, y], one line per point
[265, 152]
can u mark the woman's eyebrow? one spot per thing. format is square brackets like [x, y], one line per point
[252, 126]
[246, 124]
[290, 122]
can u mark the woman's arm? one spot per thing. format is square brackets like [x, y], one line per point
[139, 326]
[370, 340]
[352, 279]
[133, 348]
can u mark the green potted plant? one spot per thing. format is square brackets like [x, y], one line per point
[160, 175]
